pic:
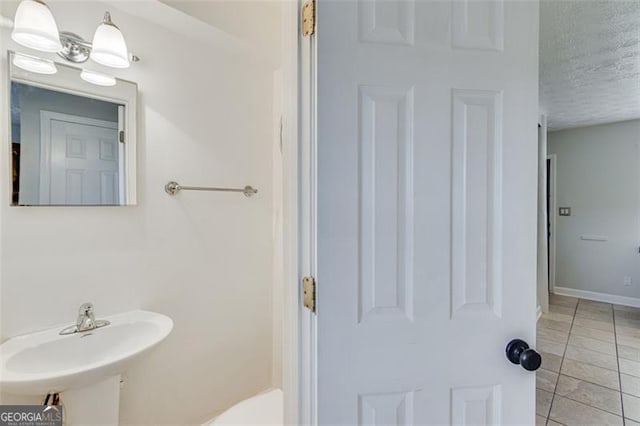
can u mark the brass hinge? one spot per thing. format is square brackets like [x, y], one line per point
[121, 136]
[309, 289]
[309, 18]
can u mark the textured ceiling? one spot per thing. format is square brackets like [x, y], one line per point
[589, 61]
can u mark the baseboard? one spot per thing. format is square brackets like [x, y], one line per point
[598, 297]
[538, 312]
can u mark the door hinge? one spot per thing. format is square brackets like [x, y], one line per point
[121, 136]
[309, 18]
[309, 292]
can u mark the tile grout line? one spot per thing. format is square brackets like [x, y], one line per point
[615, 338]
[553, 395]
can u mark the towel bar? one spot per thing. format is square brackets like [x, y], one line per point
[172, 188]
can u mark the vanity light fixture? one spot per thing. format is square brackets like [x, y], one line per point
[97, 78]
[35, 28]
[109, 47]
[33, 64]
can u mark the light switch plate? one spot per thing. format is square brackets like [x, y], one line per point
[564, 211]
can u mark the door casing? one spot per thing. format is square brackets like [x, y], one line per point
[552, 221]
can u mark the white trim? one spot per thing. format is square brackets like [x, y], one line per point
[295, 337]
[542, 238]
[553, 175]
[638, 211]
[307, 214]
[122, 152]
[538, 312]
[598, 297]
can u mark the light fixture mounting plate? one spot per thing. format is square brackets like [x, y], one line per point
[74, 48]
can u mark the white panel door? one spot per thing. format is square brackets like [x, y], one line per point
[426, 210]
[81, 161]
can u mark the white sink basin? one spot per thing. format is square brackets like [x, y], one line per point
[42, 362]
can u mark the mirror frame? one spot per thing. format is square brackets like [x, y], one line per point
[67, 80]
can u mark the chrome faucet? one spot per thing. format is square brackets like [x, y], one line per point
[86, 321]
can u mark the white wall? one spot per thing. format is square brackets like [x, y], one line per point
[205, 259]
[598, 176]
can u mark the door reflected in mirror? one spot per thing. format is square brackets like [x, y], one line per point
[72, 142]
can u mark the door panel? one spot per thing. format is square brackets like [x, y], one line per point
[386, 203]
[478, 24]
[476, 277]
[426, 217]
[387, 22]
[84, 163]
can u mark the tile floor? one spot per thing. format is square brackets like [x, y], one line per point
[590, 372]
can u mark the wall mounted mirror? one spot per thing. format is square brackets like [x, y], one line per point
[73, 142]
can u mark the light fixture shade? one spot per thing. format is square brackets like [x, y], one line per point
[34, 27]
[97, 78]
[33, 64]
[109, 47]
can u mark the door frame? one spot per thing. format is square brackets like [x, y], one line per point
[542, 280]
[552, 221]
[299, 324]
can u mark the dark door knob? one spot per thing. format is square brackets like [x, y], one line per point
[518, 352]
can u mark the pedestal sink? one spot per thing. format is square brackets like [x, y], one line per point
[82, 366]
